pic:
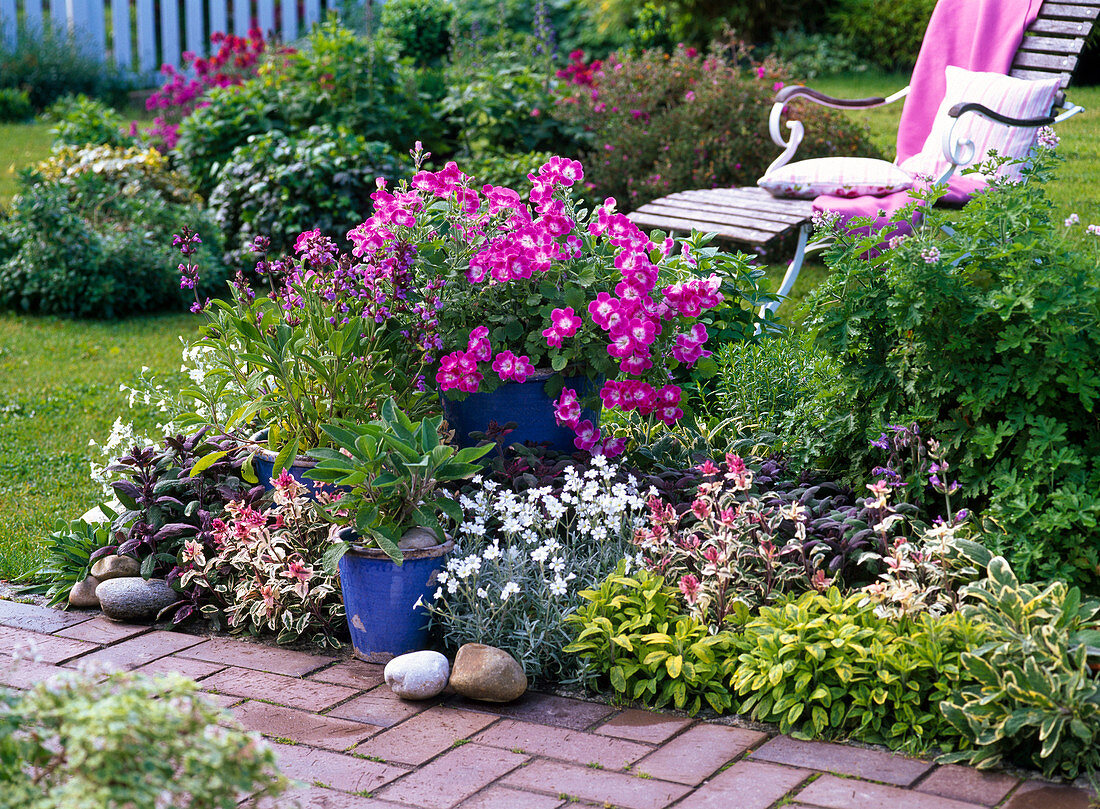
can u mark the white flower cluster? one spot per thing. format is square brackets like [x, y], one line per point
[501, 526]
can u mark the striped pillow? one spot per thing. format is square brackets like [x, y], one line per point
[1016, 98]
[839, 176]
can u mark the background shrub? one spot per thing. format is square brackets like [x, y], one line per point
[989, 339]
[48, 63]
[336, 79]
[82, 121]
[887, 33]
[89, 236]
[279, 185]
[421, 28]
[15, 105]
[658, 124]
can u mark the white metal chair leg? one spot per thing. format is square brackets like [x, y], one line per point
[793, 268]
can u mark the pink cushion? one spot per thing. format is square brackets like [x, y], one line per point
[1016, 98]
[839, 176]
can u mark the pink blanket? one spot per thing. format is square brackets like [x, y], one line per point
[973, 34]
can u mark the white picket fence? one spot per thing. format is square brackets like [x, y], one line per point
[141, 35]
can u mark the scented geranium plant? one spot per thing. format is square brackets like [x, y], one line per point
[332, 338]
[551, 290]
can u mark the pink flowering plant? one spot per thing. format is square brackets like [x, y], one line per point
[264, 573]
[550, 290]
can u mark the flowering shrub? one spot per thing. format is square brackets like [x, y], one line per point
[522, 288]
[660, 123]
[991, 342]
[80, 121]
[521, 558]
[262, 571]
[235, 60]
[127, 740]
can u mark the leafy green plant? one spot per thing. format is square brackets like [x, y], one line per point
[336, 78]
[279, 185]
[15, 105]
[87, 235]
[82, 121]
[632, 630]
[825, 665]
[71, 550]
[988, 336]
[393, 467]
[84, 740]
[1029, 696]
[892, 46]
[421, 28]
[809, 55]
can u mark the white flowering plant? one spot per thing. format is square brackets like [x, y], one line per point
[264, 573]
[522, 558]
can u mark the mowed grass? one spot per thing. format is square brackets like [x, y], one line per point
[20, 145]
[59, 387]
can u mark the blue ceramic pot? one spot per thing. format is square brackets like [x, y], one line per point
[263, 463]
[380, 599]
[526, 403]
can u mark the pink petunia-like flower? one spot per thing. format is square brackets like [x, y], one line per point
[588, 435]
[564, 324]
[478, 346]
[510, 367]
[689, 586]
[611, 447]
[567, 409]
[603, 309]
[458, 370]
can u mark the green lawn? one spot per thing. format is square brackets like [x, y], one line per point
[20, 146]
[59, 387]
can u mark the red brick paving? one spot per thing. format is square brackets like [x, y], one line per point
[875, 765]
[424, 736]
[968, 784]
[695, 754]
[354, 745]
[453, 777]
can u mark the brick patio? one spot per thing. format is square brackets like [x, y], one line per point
[339, 730]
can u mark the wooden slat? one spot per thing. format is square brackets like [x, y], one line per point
[1073, 28]
[1043, 60]
[242, 17]
[312, 12]
[289, 30]
[96, 24]
[1052, 45]
[265, 16]
[146, 36]
[1066, 11]
[760, 198]
[32, 15]
[1035, 75]
[685, 225]
[219, 17]
[693, 200]
[8, 24]
[196, 36]
[59, 15]
[121, 36]
[170, 32]
[704, 214]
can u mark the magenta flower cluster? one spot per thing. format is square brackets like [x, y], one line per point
[496, 240]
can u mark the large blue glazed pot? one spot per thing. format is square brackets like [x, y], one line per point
[380, 599]
[263, 463]
[526, 403]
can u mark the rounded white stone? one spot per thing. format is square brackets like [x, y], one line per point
[417, 675]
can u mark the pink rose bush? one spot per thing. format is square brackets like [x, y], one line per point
[551, 286]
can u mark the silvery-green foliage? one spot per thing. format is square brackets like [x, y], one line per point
[521, 559]
[126, 740]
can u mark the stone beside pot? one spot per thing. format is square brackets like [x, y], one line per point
[82, 596]
[417, 675]
[133, 599]
[487, 674]
[116, 567]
